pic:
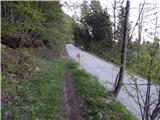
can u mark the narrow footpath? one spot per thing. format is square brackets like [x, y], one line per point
[71, 101]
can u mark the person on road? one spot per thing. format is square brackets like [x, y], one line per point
[82, 48]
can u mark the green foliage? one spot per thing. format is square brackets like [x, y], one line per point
[78, 35]
[146, 56]
[17, 62]
[35, 22]
[84, 10]
[95, 27]
[99, 104]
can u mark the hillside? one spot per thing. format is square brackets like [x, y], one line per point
[33, 35]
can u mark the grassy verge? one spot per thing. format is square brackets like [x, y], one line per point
[41, 96]
[99, 104]
[37, 98]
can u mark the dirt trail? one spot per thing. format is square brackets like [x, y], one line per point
[72, 104]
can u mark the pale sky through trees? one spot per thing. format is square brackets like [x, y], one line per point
[149, 16]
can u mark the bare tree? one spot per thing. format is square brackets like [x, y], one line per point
[118, 82]
[114, 16]
[140, 27]
[149, 107]
[147, 98]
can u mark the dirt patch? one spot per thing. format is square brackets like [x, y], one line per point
[73, 104]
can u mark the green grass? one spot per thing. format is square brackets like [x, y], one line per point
[38, 98]
[41, 96]
[99, 104]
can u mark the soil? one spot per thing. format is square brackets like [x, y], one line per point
[72, 103]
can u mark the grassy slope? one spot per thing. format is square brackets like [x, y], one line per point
[39, 97]
[99, 104]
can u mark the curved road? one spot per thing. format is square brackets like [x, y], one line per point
[106, 73]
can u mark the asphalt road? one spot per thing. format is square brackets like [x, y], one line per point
[106, 73]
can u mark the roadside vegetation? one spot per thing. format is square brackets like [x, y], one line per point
[99, 104]
[113, 37]
[105, 40]
[36, 98]
[35, 24]
[41, 96]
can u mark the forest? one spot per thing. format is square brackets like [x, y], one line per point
[96, 64]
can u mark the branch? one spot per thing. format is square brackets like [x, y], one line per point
[138, 17]
[138, 99]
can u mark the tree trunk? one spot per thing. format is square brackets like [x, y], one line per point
[118, 84]
[139, 37]
[156, 111]
[148, 93]
[114, 30]
[114, 24]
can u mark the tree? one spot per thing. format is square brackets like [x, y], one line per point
[149, 67]
[78, 35]
[85, 27]
[95, 7]
[140, 28]
[120, 27]
[101, 28]
[33, 23]
[84, 11]
[119, 80]
[149, 106]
